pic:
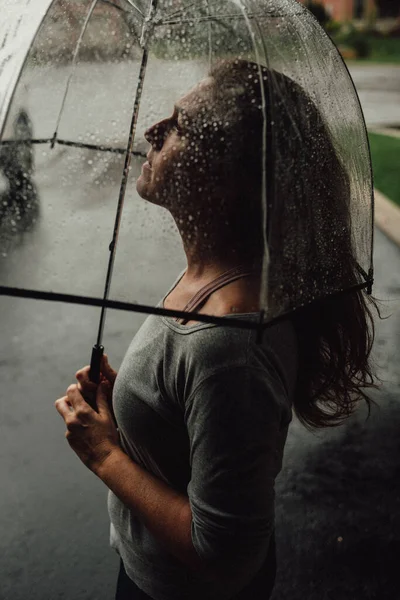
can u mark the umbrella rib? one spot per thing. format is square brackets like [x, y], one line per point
[211, 18]
[177, 13]
[100, 148]
[362, 272]
[210, 32]
[174, 16]
[75, 56]
[72, 144]
[122, 191]
[135, 7]
[267, 165]
[361, 112]
[119, 305]
[110, 3]
[124, 182]
[14, 292]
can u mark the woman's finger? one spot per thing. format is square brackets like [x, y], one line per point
[107, 370]
[63, 407]
[77, 400]
[102, 395]
[83, 374]
[85, 386]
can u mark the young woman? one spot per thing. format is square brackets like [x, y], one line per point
[202, 410]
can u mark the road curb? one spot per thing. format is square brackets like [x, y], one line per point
[388, 131]
[387, 217]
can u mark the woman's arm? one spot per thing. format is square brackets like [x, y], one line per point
[165, 512]
[94, 438]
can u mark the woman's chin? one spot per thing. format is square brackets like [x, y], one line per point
[141, 187]
[143, 190]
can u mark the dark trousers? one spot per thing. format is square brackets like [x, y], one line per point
[260, 588]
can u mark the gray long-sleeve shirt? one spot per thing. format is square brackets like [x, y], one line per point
[207, 410]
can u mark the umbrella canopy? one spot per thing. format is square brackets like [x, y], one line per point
[18, 27]
[271, 164]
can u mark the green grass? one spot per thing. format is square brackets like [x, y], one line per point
[380, 50]
[385, 152]
[384, 50]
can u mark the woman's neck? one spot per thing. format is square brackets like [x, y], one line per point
[210, 256]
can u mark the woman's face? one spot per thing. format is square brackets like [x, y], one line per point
[178, 163]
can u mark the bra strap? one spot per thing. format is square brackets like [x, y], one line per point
[228, 277]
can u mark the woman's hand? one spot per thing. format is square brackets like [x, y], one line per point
[92, 435]
[88, 388]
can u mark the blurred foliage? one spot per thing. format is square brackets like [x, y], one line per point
[351, 37]
[394, 33]
[333, 27]
[367, 43]
[319, 11]
[388, 8]
[385, 49]
[385, 151]
[372, 46]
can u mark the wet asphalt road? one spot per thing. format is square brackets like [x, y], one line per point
[54, 541]
[379, 89]
[337, 497]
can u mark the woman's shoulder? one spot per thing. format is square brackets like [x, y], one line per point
[217, 349]
[278, 337]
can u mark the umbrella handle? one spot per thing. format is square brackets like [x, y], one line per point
[94, 373]
[97, 355]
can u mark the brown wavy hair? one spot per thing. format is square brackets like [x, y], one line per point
[309, 207]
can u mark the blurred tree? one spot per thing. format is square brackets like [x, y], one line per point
[388, 8]
[319, 11]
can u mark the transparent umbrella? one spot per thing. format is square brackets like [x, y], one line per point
[258, 158]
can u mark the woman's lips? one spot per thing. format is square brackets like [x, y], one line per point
[147, 166]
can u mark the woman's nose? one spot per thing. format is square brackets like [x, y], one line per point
[156, 134]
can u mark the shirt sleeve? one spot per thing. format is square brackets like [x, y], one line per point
[237, 432]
